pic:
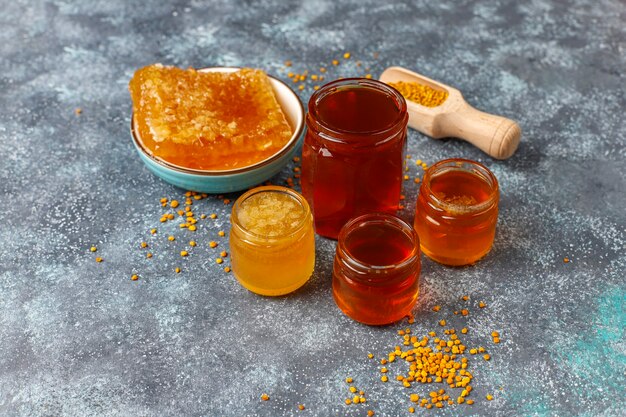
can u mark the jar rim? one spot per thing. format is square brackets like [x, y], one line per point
[306, 212]
[377, 136]
[378, 218]
[467, 165]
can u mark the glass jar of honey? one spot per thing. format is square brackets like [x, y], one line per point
[457, 211]
[353, 154]
[272, 242]
[376, 269]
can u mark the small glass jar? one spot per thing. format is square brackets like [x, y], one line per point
[272, 242]
[376, 269]
[353, 153]
[457, 211]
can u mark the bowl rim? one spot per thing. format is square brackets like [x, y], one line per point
[206, 172]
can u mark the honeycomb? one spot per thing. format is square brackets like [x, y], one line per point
[207, 120]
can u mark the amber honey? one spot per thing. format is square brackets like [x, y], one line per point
[208, 120]
[376, 269]
[272, 241]
[457, 211]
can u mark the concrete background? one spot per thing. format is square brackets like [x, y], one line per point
[80, 338]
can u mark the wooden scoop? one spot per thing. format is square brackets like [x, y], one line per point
[495, 135]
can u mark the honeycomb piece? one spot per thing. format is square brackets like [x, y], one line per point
[207, 120]
[270, 214]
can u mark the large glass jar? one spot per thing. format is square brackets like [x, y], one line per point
[353, 154]
[376, 269]
[272, 243]
[457, 211]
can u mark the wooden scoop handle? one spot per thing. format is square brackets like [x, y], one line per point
[495, 135]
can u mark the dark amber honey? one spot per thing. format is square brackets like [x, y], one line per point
[353, 154]
[457, 211]
[376, 269]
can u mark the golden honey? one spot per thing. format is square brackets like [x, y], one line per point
[208, 120]
[457, 211]
[272, 241]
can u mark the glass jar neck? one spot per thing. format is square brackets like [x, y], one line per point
[354, 138]
[252, 237]
[464, 165]
[367, 272]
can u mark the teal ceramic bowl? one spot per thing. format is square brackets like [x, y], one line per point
[217, 182]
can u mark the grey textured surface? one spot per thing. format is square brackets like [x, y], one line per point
[80, 338]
